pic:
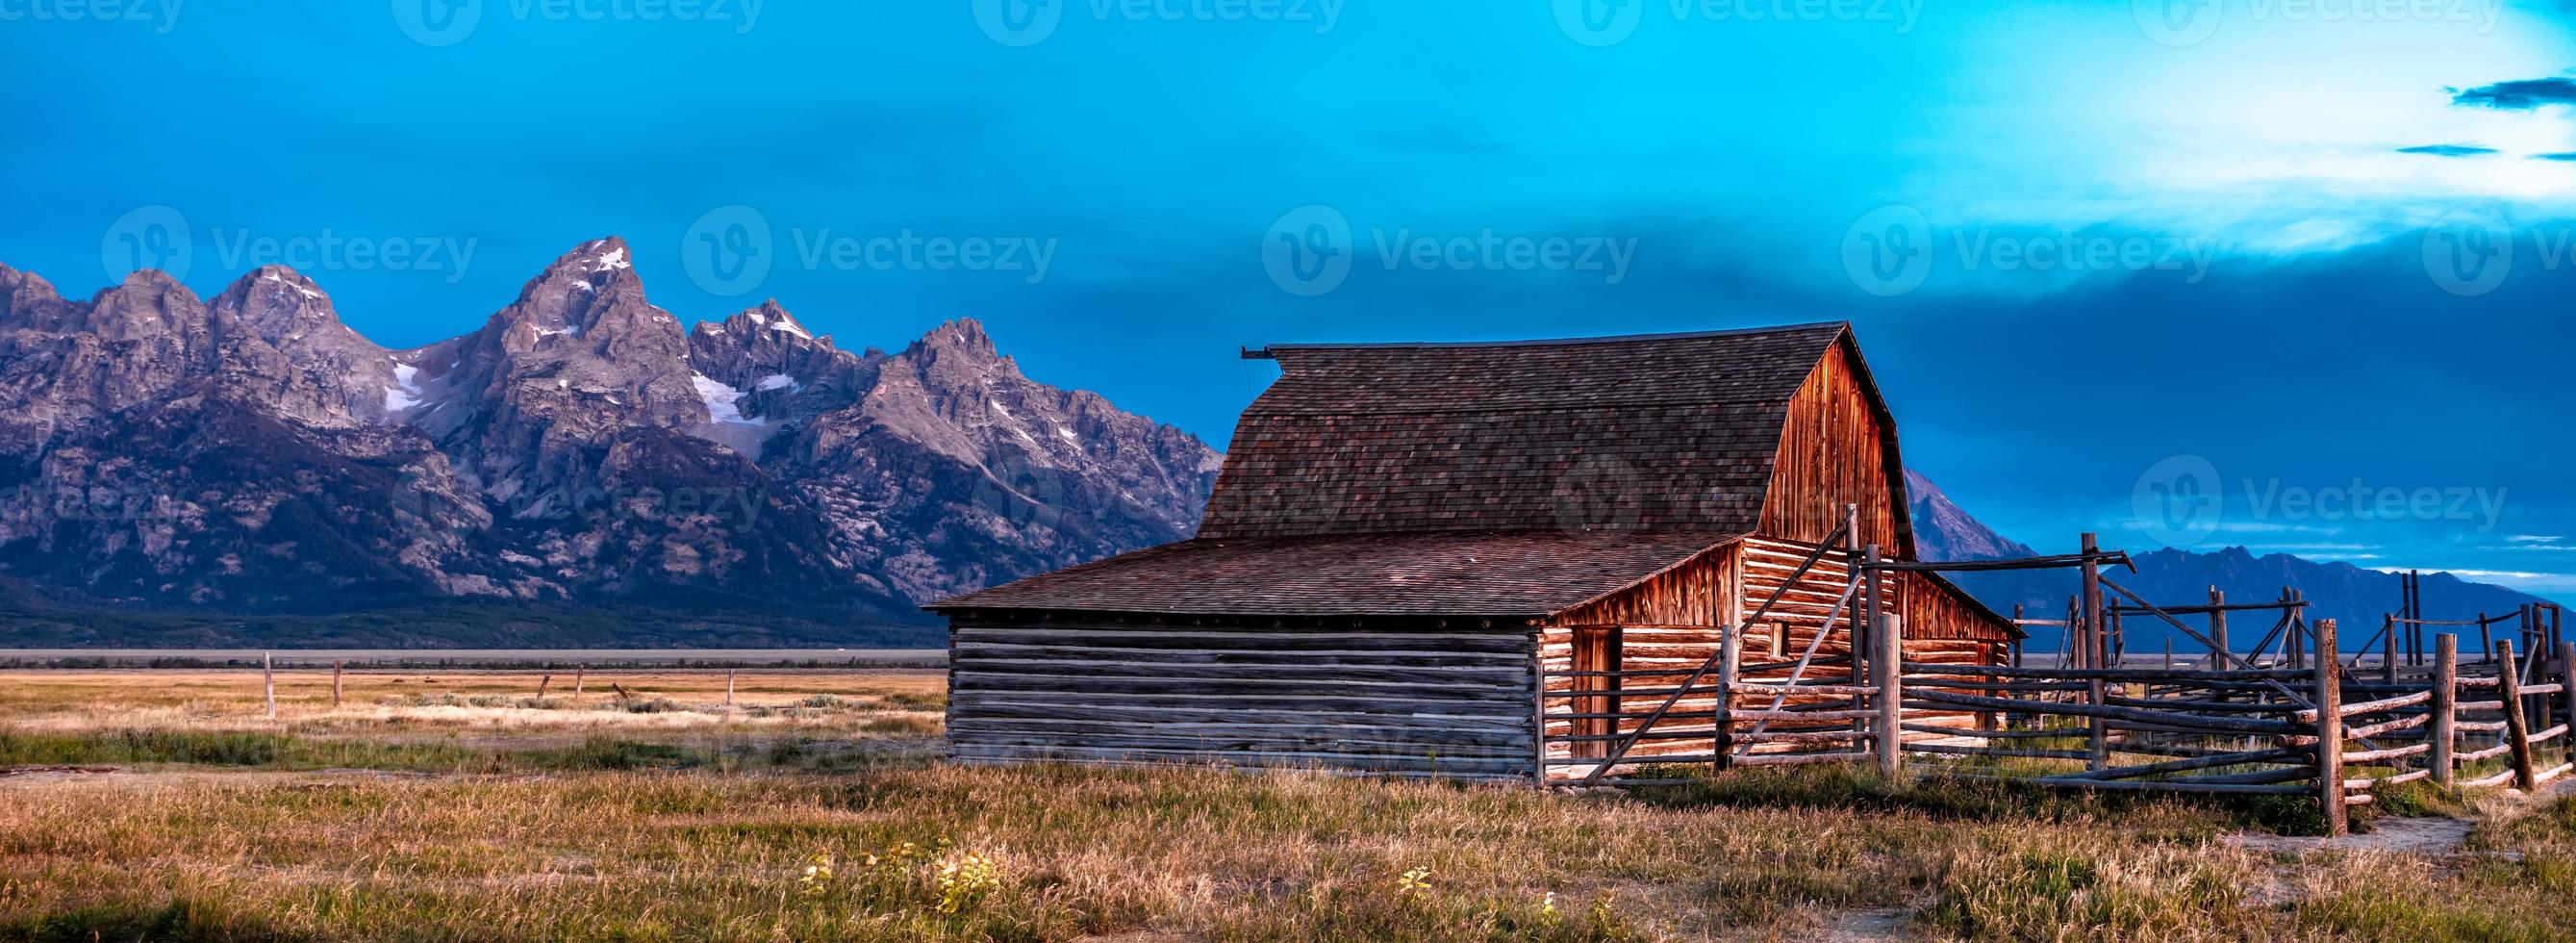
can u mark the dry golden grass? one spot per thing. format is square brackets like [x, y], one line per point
[644, 833]
[71, 700]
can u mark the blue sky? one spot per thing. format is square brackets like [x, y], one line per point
[2197, 273]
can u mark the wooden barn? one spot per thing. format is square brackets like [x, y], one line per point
[1416, 550]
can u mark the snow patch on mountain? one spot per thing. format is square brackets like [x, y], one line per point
[723, 402]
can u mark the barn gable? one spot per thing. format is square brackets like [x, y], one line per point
[1817, 471]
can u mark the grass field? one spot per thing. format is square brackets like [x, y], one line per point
[454, 805]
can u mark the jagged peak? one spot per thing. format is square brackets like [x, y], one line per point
[598, 255]
[143, 290]
[593, 266]
[151, 281]
[767, 320]
[302, 286]
[19, 287]
[960, 335]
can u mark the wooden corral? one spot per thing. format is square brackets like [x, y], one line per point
[1481, 561]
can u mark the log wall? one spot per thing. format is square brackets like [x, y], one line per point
[1722, 587]
[1405, 698]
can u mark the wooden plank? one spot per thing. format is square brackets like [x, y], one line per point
[1505, 767]
[1512, 677]
[1313, 686]
[1939, 699]
[1135, 636]
[972, 728]
[1313, 745]
[1445, 711]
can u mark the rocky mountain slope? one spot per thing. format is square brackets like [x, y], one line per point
[252, 454]
[2354, 596]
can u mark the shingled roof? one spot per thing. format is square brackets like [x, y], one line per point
[1527, 574]
[1504, 479]
[1662, 432]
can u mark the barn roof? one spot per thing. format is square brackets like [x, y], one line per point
[1503, 479]
[1525, 574]
[1661, 432]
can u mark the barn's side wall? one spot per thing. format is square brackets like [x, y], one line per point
[1833, 453]
[1416, 697]
[1934, 611]
[1662, 625]
[1669, 624]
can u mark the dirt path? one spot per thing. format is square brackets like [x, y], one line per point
[2407, 836]
[1863, 926]
[2416, 836]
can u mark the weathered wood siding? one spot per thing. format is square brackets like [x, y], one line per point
[1659, 625]
[1698, 592]
[1836, 450]
[1410, 697]
[1723, 587]
[1935, 611]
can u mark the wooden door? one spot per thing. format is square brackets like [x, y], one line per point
[1596, 648]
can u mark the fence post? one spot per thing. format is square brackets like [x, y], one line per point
[268, 681]
[577, 672]
[1889, 637]
[2516, 730]
[335, 683]
[2388, 647]
[1730, 662]
[2445, 709]
[2329, 728]
[2217, 630]
[2567, 696]
[2097, 734]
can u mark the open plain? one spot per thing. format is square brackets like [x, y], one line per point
[458, 804]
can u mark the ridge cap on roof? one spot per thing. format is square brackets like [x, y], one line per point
[1567, 341]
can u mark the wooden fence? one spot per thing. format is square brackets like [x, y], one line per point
[2302, 722]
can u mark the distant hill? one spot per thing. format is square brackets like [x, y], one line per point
[2358, 598]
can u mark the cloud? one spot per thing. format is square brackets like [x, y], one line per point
[2561, 156]
[2534, 539]
[2518, 95]
[2448, 150]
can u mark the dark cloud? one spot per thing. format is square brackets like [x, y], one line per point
[2519, 95]
[2448, 150]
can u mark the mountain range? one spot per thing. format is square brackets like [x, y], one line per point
[743, 481]
[585, 470]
